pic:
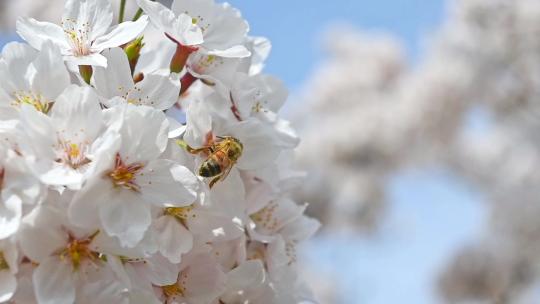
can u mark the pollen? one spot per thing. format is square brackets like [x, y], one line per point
[78, 36]
[290, 251]
[77, 250]
[124, 175]
[73, 154]
[180, 213]
[256, 254]
[257, 107]
[173, 290]
[3, 263]
[74, 150]
[207, 62]
[265, 217]
[36, 100]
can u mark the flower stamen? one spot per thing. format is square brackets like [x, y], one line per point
[266, 218]
[78, 36]
[36, 100]
[73, 154]
[173, 290]
[77, 250]
[3, 263]
[182, 214]
[124, 175]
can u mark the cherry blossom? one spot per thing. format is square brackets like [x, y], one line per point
[85, 32]
[142, 184]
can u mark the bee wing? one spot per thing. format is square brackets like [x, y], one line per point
[226, 171]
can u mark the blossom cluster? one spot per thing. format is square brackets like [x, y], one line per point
[145, 162]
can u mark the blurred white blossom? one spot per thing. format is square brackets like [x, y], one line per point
[469, 105]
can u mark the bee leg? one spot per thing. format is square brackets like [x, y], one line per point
[189, 149]
[214, 180]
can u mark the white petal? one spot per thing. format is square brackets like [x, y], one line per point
[53, 282]
[83, 210]
[284, 211]
[260, 150]
[176, 129]
[51, 76]
[40, 234]
[174, 239]
[157, 91]
[199, 123]
[25, 186]
[40, 130]
[215, 69]
[126, 217]
[8, 285]
[36, 33]
[61, 175]
[115, 80]
[16, 59]
[19, 55]
[159, 15]
[285, 134]
[104, 149]
[209, 225]
[25, 289]
[237, 51]
[93, 59]
[180, 28]
[149, 62]
[205, 281]
[121, 34]
[230, 193]
[160, 271]
[224, 26]
[301, 229]
[249, 274]
[78, 114]
[116, 265]
[10, 215]
[185, 32]
[144, 134]
[166, 183]
[260, 48]
[11, 255]
[97, 15]
[143, 297]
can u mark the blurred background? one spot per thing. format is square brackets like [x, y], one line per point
[420, 123]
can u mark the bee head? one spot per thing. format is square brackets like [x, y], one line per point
[235, 147]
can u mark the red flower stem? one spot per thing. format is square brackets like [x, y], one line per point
[180, 57]
[86, 72]
[186, 82]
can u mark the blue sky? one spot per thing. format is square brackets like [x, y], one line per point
[294, 26]
[431, 213]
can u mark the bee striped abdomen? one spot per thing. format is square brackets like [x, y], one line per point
[210, 168]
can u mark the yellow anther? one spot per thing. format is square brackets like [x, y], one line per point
[3, 263]
[124, 175]
[74, 150]
[180, 213]
[173, 290]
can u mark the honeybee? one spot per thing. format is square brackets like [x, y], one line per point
[222, 155]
